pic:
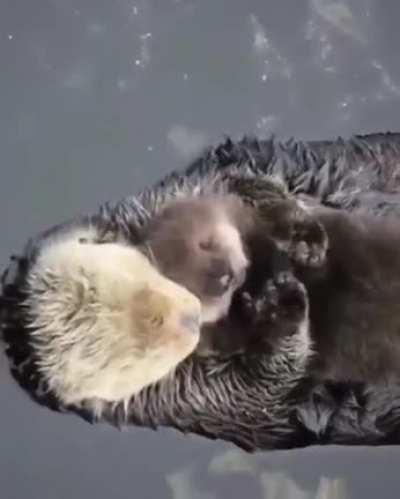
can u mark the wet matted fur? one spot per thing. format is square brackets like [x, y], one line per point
[251, 401]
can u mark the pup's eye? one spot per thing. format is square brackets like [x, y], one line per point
[208, 245]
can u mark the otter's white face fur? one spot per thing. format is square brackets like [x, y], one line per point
[106, 322]
[197, 243]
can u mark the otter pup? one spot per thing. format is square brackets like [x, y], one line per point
[105, 323]
[200, 244]
[206, 243]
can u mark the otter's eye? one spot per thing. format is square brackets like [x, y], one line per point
[157, 320]
[207, 245]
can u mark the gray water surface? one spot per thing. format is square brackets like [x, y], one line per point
[99, 98]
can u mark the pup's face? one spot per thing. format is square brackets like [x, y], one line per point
[197, 243]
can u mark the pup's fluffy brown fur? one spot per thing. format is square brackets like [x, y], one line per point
[200, 244]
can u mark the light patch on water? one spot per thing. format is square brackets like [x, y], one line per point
[260, 40]
[390, 87]
[233, 461]
[339, 16]
[181, 484]
[332, 489]
[273, 63]
[122, 84]
[79, 77]
[266, 125]
[186, 141]
[276, 485]
[326, 47]
[145, 40]
[323, 46]
[94, 28]
[346, 107]
[10, 37]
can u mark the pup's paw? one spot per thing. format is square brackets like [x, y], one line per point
[282, 299]
[309, 242]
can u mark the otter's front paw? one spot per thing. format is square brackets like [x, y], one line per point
[308, 244]
[282, 299]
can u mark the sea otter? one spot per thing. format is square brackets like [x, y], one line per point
[254, 400]
[92, 301]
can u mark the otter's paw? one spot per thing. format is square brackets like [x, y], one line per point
[308, 244]
[282, 299]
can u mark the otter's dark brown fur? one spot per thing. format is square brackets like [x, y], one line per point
[355, 299]
[354, 292]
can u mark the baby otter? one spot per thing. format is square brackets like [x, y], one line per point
[200, 244]
[205, 244]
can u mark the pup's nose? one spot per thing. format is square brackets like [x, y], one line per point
[220, 276]
[191, 322]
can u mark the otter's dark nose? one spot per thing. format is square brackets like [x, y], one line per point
[191, 322]
[219, 277]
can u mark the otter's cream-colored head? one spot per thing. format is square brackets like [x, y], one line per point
[105, 322]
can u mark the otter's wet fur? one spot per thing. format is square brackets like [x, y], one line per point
[105, 323]
[354, 299]
[257, 402]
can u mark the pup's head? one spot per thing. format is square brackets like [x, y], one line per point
[197, 242]
[105, 322]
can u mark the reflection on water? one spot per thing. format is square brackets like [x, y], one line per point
[100, 98]
[269, 484]
[340, 16]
